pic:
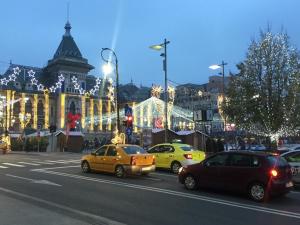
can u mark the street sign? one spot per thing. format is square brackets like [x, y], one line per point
[128, 110]
[198, 115]
[129, 131]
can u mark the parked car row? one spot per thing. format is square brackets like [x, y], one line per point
[132, 159]
[259, 174]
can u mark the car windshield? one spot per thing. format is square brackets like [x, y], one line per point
[187, 148]
[277, 161]
[130, 150]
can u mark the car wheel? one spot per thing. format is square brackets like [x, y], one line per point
[175, 166]
[190, 182]
[257, 192]
[119, 171]
[85, 167]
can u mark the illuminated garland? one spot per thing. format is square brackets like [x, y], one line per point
[111, 90]
[53, 88]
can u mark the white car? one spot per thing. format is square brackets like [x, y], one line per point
[289, 147]
[293, 158]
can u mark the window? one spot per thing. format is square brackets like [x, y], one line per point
[112, 151]
[157, 149]
[293, 157]
[277, 161]
[133, 150]
[187, 148]
[241, 160]
[167, 148]
[218, 160]
[101, 151]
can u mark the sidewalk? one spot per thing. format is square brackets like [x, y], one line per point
[17, 212]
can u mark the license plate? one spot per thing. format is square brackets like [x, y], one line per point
[146, 168]
[289, 184]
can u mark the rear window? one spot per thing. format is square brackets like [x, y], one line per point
[277, 161]
[130, 150]
[187, 148]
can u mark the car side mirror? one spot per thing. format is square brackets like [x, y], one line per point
[93, 153]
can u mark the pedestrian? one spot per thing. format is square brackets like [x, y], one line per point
[208, 146]
[220, 145]
[96, 142]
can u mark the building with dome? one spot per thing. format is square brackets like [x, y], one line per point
[40, 97]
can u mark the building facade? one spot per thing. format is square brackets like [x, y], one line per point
[40, 97]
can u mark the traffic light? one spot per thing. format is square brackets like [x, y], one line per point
[129, 120]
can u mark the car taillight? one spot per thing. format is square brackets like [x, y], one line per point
[188, 156]
[274, 173]
[153, 162]
[133, 160]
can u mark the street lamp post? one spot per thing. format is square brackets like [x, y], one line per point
[221, 66]
[164, 55]
[117, 81]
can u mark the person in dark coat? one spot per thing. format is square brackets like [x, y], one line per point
[220, 145]
[208, 146]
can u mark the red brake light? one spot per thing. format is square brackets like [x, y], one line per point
[188, 156]
[133, 160]
[274, 173]
[153, 162]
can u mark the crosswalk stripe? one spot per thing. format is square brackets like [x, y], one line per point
[56, 161]
[3, 167]
[12, 164]
[27, 163]
[45, 163]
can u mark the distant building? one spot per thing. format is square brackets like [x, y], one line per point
[203, 101]
[48, 94]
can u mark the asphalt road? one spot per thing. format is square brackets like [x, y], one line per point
[51, 189]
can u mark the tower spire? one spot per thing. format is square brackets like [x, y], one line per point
[68, 25]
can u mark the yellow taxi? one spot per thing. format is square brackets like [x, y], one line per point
[120, 159]
[175, 155]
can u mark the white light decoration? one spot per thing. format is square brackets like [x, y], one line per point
[58, 84]
[17, 70]
[12, 77]
[31, 73]
[156, 91]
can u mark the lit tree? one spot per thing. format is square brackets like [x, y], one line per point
[263, 97]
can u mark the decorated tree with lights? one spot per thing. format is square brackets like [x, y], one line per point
[263, 98]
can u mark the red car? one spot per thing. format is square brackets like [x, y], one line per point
[258, 174]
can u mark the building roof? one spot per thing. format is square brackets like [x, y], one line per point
[67, 46]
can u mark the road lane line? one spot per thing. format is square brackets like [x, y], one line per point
[59, 167]
[12, 164]
[165, 175]
[32, 164]
[100, 219]
[44, 163]
[182, 194]
[3, 167]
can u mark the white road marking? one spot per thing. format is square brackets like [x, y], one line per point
[51, 161]
[44, 163]
[34, 180]
[12, 164]
[59, 167]
[100, 219]
[32, 164]
[3, 167]
[181, 194]
[164, 175]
